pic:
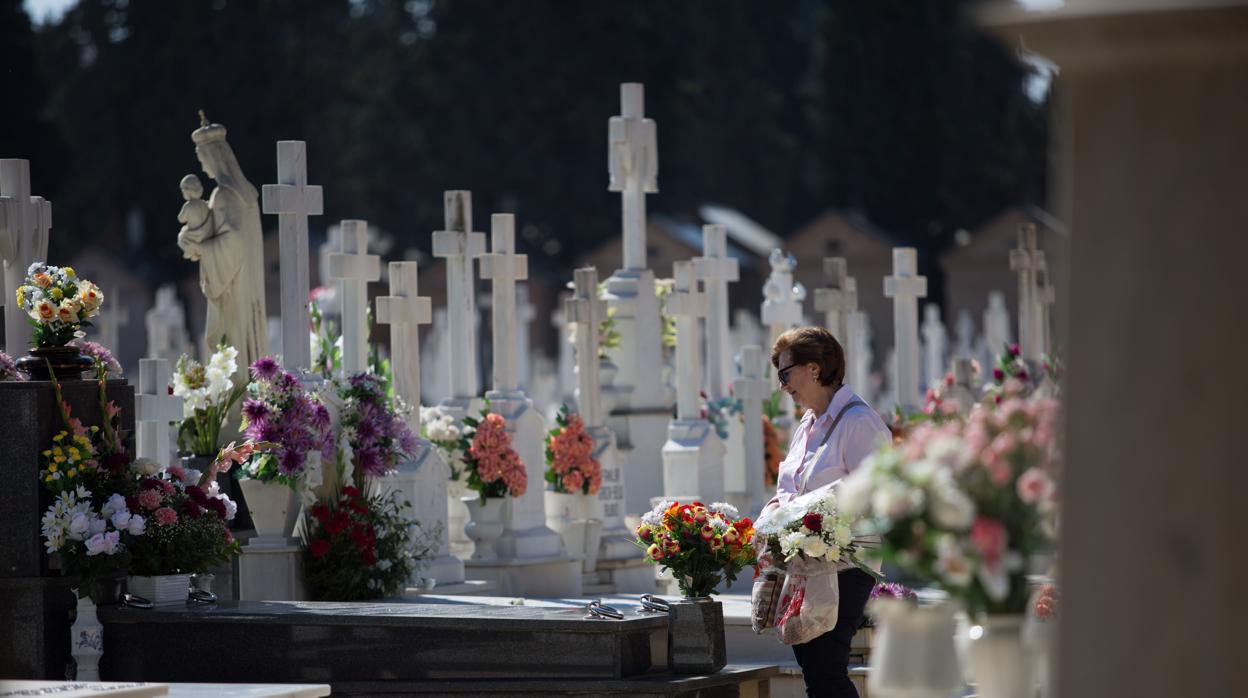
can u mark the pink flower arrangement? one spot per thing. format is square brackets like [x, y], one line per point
[570, 464]
[969, 506]
[494, 468]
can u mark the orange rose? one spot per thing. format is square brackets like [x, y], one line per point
[67, 313]
[43, 280]
[46, 311]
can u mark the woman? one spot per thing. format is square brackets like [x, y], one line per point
[837, 431]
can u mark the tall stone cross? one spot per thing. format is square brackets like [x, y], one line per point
[1045, 297]
[112, 318]
[353, 268]
[503, 267]
[24, 224]
[1026, 261]
[753, 389]
[996, 326]
[935, 344]
[687, 304]
[633, 166]
[588, 311]
[716, 270]
[154, 409]
[405, 310]
[293, 200]
[459, 246]
[906, 287]
[838, 301]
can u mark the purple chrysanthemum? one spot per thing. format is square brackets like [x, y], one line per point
[264, 368]
[256, 411]
[291, 462]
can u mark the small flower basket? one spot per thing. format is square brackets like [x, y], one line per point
[58, 305]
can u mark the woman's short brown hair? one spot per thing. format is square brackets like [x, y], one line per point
[813, 345]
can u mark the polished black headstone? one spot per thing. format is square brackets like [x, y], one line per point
[311, 642]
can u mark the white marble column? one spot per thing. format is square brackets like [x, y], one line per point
[154, 409]
[996, 329]
[422, 481]
[353, 268]
[905, 287]
[935, 346]
[753, 389]
[293, 200]
[24, 224]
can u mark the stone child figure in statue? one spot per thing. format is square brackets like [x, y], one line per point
[229, 249]
[195, 212]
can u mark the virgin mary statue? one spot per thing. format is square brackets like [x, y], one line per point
[230, 253]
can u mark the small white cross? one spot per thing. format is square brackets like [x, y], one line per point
[716, 269]
[154, 409]
[633, 167]
[834, 301]
[24, 224]
[905, 287]
[293, 200]
[404, 310]
[459, 247]
[503, 267]
[687, 304]
[353, 268]
[587, 311]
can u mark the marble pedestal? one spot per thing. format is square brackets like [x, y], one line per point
[423, 484]
[271, 570]
[693, 460]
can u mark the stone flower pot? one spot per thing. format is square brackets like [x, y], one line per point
[998, 662]
[484, 526]
[161, 589]
[914, 654]
[695, 636]
[575, 518]
[274, 511]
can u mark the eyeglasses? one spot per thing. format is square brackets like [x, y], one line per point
[783, 374]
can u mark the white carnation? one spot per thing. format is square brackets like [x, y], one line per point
[814, 546]
[725, 509]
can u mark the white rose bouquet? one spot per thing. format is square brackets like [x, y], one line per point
[809, 535]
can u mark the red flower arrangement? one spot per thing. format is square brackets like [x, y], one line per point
[570, 463]
[356, 547]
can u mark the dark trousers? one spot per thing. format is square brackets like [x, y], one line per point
[825, 659]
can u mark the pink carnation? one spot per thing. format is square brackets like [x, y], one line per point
[166, 516]
[1034, 486]
[573, 481]
[990, 539]
[149, 499]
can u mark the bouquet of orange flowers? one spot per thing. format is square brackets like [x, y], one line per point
[700, 544]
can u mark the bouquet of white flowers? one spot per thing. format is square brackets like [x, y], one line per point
[208, 396]
[808, 535]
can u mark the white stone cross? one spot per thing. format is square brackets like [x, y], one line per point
[633, 166]
[525, 314]
[353, 268]
[1045, 297]
[459, 246]
[154, 409]
[1025, 260]
[405, 310]
[24, 224]
[503, 267]
[587, 310]
[860, 355]
[905, 287]
[753, 389]
[781, 308]
[833, 300]
[935, 344]
[716, 269]
[687, 304]
[293, 200]
[112, 318]
[966, 335]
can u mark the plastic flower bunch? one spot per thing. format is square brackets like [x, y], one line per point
[58, 303]
[969, 507]
[208, 397]
[374, 427]
[280, 411]
[809, 534]
[701, 545]
[187, 518]
[570, 464]
[719, 411]
[357, 546]
[493, 467]
[439, 428]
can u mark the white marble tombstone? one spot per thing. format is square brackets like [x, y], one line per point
[753, 389]
[906, 287]
[435, 380]
[352, 267]
[781, 311]
[996, 329]
[861, 357]
[693, 455]
[935, 346]
[24, 224]
[330, 299]
[154, 409]
[834, 300]
[422, 481]
[531, 557]
[965, 347]
[1028, 262]
[566, 367]
[525, 314]
[1046, 297]
[459, 246]
[963, 391]
[746, 330]
[293, 200]
[617, 566]
[167, 336]
[112, 320]
[639, 417]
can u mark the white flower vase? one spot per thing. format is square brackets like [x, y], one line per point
[161, 589]
[485, 525]
[575, 519]
[914, 654]
[87, 638]
[998, 663]
[274, 511]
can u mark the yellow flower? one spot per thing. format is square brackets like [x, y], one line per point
[21, 296]
[73, 472]
[74, 452]
[69, 271]
[52, 468]
[58, 459]
[47, 454]
[56, 293]
[59, 436]
[50, 478]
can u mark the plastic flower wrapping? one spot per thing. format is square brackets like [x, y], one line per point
[280, 410]
[374, 427]
[808, 535]
[208, 396]
[58, 303]
[570, 464]
[970, 507]
[700, 544]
